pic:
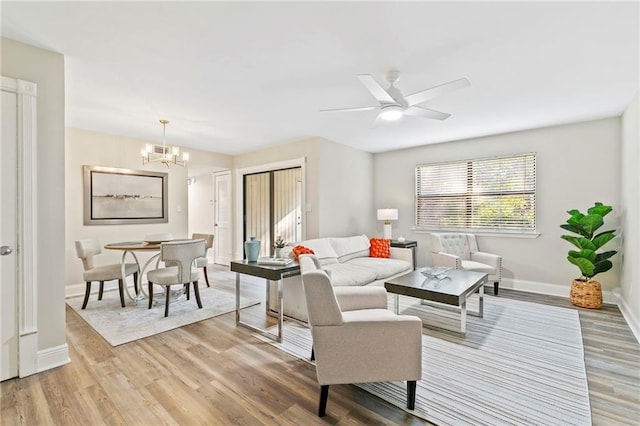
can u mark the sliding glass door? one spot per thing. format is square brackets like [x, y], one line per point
[273, 207]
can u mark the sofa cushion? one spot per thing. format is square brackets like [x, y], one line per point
[383, 268]
[380, 247]
[322, 249]
[470, 265]
[347, 248]
[343, 274]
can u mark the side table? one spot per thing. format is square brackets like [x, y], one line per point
[413, 245]
[269, 273]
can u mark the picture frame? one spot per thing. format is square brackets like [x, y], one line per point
[114, 196]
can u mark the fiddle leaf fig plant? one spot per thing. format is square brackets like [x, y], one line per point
[587, 258]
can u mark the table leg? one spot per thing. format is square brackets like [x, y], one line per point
[481, 301]
[397, 304]
[267, 296]
[265, 333]
[463, 317]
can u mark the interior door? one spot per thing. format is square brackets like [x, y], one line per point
[8, 238]
[222, 242]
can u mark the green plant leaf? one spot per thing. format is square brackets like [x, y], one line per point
[603, 256]
[580, 242]
[590, 255]
[576, 229]
[590, 223]
[603, 266]
[600, 209]
[586, 267]
[603, 238]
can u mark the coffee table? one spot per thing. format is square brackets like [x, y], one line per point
[452, 290]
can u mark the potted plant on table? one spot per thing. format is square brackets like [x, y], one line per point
[279, 244]
[585, 291]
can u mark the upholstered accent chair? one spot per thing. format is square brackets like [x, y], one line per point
[203, 262]
[460, 251]
[182, 256]
[356, 339]
[86, 250]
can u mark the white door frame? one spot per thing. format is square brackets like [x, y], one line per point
[238, 222]
[27, 261]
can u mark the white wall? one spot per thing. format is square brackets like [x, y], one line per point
[46, 69]
[630, 292]
[577, 165]
[345, 184]
[201, 206]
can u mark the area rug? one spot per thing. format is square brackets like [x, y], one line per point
[120, 325]
[523, 363]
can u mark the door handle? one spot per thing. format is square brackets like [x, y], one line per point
[5, 250]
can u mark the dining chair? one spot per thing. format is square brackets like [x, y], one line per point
[182, 254]
[356, 339]
[86, 250]
[203, 262]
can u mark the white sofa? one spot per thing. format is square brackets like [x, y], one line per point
[347, 261]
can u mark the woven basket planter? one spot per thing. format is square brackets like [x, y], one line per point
[586, 294]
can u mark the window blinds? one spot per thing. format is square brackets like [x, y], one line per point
[486, 194]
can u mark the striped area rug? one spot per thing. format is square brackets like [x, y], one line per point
[522, 364]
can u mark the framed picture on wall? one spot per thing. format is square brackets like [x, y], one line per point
[121, 196]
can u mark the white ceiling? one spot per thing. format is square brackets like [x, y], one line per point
[233, 77]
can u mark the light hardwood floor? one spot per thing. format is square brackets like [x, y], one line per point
[214, 373]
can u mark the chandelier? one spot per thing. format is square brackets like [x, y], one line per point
[162, 153]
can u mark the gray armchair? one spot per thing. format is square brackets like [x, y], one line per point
[460, 251]
[356, 339]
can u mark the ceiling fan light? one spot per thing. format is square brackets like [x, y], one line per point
[391, 112]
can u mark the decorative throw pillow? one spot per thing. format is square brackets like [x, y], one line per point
[298, 250]
[380, 247]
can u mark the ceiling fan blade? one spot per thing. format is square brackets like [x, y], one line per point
[426, 112]
[368, 108]
[425, 95]
[376, 90]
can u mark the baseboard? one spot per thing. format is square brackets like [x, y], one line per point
[629, 316]
[550, 289]
[53, 357]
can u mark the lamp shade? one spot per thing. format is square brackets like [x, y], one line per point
[387, 214]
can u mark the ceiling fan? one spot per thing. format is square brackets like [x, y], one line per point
[394, 105]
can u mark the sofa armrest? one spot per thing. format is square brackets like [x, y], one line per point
[354, 298]
[405, 254]
[446, 259]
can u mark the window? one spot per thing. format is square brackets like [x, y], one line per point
[494, 194]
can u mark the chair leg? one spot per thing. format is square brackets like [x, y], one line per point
[135, 283]
[121, 291]
[495, 288]
[166, 302]
[206, 277]
[324, 395]
[313, 354]
[196, 291]
[150, 294]
[187, 290]
[411, 394]
[100, 290]
[87, 291]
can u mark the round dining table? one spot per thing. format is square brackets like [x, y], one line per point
[131, 247]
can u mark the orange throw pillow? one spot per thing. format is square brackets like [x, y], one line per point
[380, 247]
[298, 250]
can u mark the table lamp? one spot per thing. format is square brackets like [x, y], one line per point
[387, 215]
